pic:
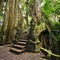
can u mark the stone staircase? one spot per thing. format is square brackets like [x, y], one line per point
[19, 46]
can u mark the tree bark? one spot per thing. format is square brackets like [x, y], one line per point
[11, 22]
[19, 28]
[5, 22]
[35, 28]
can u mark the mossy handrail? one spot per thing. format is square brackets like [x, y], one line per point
[49, 52]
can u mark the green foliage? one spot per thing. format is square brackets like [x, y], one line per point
[56, 30]
[51, 7]
[47, 7]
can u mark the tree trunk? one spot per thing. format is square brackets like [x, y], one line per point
[11, 22]
[16, 12]
[5, 22]
[19, 32]
[16, 17]
[35, 28]
[38, 10]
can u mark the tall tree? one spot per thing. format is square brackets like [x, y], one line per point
[35, 25]
[11, 22]
[5, 20]
[19, 28]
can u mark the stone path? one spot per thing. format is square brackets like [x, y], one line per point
[5, 54]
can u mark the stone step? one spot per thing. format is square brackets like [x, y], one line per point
[21, 43]
[23, 40]
[19, 46]
[17, 50]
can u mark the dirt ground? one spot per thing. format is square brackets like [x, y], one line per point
[5, 54]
